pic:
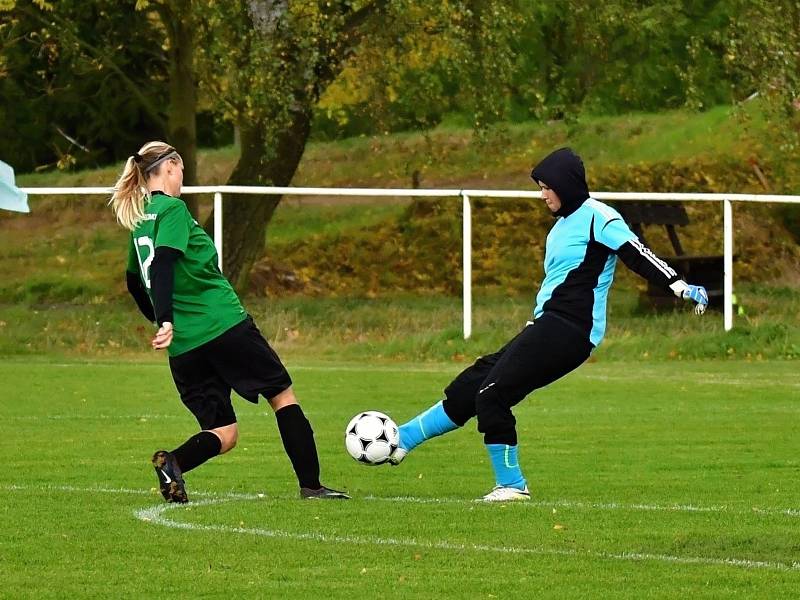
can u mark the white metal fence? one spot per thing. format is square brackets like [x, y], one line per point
[465, 195]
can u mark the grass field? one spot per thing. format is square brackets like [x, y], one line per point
[667, 467]
[659, 480]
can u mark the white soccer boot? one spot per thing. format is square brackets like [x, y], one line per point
[397, 456]
[501, 493]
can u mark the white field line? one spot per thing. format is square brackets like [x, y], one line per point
[132, 491]
[698, 377]
[156, 515]
[550, 504]
[73, 417]
[324, 368]
[569, 504]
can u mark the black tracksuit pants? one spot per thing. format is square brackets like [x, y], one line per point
[544, 351]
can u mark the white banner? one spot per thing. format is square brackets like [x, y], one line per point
[11, 197]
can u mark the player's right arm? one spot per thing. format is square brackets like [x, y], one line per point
[136, 287]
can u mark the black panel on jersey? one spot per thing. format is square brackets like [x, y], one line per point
[574, 297]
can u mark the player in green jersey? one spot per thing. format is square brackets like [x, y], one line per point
[213, 344]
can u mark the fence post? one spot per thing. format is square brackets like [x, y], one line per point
[218, 226]
[466, 252]
[727, 235]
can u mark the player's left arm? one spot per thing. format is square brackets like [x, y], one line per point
[616, 235]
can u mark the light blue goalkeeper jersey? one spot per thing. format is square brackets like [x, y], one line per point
[579, 264]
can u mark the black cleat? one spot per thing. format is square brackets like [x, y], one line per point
[170, 478]
[322, 493]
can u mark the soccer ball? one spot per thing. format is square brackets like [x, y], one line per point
[371, 437]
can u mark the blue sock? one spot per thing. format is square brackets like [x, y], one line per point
[506, 466]
[424, 426]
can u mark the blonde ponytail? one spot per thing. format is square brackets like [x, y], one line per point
[130, 191]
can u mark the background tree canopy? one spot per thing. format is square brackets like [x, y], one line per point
[80, 86]
[84, 82]
[70, 60]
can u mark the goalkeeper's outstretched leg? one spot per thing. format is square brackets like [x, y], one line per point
[569, 321]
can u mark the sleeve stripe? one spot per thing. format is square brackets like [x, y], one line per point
[602, 209]
[657, 262]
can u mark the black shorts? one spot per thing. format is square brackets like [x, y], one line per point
[240, 359]
[541, 353]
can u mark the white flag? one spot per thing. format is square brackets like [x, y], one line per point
[11, 197]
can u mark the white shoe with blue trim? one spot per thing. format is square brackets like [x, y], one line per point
[506, 494]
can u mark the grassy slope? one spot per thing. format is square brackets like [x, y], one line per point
[65, 259]
[419, 328]
[451, 157]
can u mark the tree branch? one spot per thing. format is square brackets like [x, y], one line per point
[132, 87]
[266, 16]
[351, 35]
[357, 18]
[166, 15]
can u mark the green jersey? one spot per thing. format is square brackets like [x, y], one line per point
[204, 304]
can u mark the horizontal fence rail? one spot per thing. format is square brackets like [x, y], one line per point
[465, 195]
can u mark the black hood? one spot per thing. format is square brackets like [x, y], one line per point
[563, 172]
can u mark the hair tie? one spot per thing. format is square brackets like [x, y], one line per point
[166, 155]
[137, 158]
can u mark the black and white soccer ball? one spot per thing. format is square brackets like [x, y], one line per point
[371, 437]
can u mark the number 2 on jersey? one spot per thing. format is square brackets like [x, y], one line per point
[144, 265]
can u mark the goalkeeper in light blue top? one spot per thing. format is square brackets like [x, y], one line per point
[569, 321]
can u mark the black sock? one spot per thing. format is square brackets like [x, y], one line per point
[298, 441]
[197, 450]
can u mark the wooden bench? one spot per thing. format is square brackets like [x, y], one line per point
[698, 270]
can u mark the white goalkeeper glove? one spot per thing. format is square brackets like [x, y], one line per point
[697, 293]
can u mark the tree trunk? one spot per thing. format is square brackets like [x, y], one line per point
[183, 94]
[246, 215]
